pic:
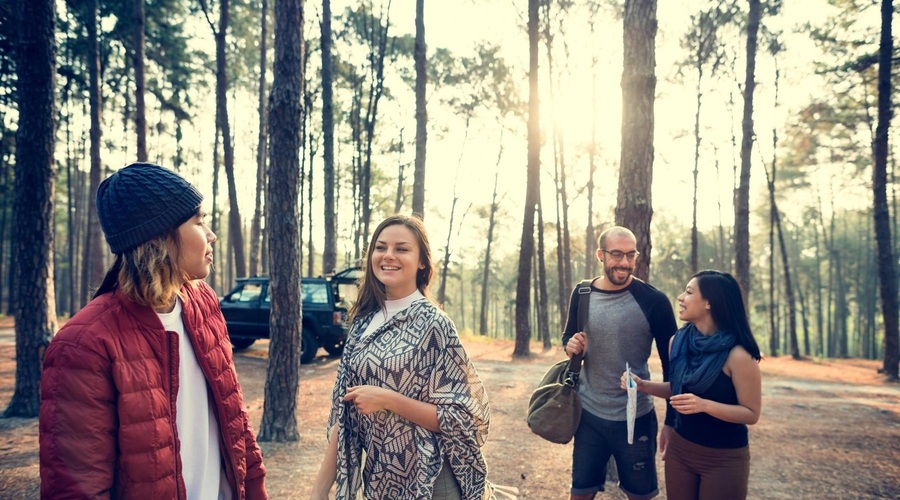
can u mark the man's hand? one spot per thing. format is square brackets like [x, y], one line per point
[576, 345]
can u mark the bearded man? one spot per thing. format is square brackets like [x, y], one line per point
[625, 316]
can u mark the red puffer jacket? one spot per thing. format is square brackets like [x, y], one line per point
[108, 389]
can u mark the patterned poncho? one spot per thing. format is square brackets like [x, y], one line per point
[416, 353]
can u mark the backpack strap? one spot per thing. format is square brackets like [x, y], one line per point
[584, 296]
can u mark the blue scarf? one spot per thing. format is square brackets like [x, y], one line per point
[697, 359]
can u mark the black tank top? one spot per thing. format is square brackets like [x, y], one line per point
[706, 430]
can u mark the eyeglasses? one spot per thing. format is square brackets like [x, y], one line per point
[617, 255]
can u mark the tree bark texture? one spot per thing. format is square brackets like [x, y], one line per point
[634, 207]
[886, 266]
[543, 313]
[34, 306]
[94, 246]
[378, 40]
[140, 118]
[235, 231]
[695, 239]
[445, 267]
[215, 277]
[262, 151]
[486, 272]
[788, 291]
[279, 422]
[526, 246]
[742, 199]
[773, 330]
[420, 61]
[329, 252]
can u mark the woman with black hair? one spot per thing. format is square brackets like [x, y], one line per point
[715, 386]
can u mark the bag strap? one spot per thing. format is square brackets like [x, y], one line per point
[584, 295]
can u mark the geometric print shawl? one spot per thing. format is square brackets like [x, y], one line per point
[416, 353]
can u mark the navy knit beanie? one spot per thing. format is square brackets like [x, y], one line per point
[142, 201]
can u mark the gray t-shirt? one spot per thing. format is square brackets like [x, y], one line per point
[621, 326]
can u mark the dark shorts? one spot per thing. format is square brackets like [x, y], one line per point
[597, 439]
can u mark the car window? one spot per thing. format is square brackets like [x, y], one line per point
[347, 294]
[247, 293]
[315, 293]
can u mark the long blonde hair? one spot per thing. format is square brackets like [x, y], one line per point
[371, 291]
[149, 273]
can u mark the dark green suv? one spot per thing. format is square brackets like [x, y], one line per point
[325, 302]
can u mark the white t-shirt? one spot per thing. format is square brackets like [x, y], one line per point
[198, 431]
[391, 307]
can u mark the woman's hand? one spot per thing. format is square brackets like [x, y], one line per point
[688, 403]
[328, 470]
[368, 398]
[576, 345]
[638, 381]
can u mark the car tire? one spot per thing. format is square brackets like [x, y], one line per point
[308, 347]
[240, 343]
[335, 349]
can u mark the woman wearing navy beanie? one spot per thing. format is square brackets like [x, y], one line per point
[139, 395]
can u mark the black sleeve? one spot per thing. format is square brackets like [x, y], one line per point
[663, 327]
[572, 320]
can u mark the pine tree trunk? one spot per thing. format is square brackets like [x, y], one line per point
[401, 174]
[33, 194]
[441, 296]
[329, 221]
[742, 200]
[378, 44]
[887, 277]
[235, 232]
[5, 274]
[804, 315]
[486, 272]
[820, 304]
[420, 62]
[526, 246]
[590, 240]
[563, 265]
[75, 293]
[215, 277]
[773, 331]
[311, 155]
[543, 313]
[261, 146]
[140, 120]
[788, 290]
[279, 421]
[94, 247]
[634, 208]
[304, 147]
[695, 243]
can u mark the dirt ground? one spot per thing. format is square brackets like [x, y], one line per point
[830, 429]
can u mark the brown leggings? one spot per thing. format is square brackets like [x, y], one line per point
[695, 472]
